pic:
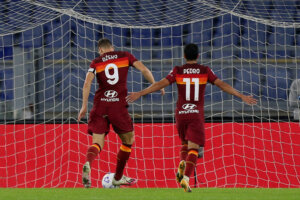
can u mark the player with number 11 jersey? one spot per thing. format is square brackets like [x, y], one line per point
[191, 79]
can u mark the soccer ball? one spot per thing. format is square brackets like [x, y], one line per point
[107, 180]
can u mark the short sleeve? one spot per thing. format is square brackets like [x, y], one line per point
[211, 76]
[92, 68]
[171, 77]
[131, 58]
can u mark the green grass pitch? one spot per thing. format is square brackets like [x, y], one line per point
[151, 194]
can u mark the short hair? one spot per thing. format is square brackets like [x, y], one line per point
[104, 43]
[191, 51]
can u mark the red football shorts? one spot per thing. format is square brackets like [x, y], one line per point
[101, 118]
[191, 130]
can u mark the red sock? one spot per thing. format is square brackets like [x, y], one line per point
[191, 161]
[122, 159]
[92, 153]
[183, 152]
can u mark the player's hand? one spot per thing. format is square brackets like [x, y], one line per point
[249, 100]
[162, 92]
[82, 113]
[133, 96]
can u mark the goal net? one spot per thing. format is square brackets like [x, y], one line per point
[45, 51]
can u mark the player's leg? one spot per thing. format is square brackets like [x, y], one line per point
[181, 126]
[124, 153]
[122, 124]
[191, 161]
[122, 158]
[92, 152]
[95, 148]
[183, 156]
[184, 150]
[194, 133]
[98, 126]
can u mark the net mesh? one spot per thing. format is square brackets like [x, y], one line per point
[45, 51]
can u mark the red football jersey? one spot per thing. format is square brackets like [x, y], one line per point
[191, 80]
[111, 70]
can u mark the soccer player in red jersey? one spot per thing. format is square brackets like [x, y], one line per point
[191, 79]
[110, 106]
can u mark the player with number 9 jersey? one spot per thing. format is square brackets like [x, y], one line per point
[110, 107]
[111, 71]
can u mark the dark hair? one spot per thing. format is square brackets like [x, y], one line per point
[104, 43]
[191, 51]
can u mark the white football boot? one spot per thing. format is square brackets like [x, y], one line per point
[124, 181]
[86, 175]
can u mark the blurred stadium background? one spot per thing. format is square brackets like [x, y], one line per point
[46, 48]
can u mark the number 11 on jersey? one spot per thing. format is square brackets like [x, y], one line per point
[188, 88]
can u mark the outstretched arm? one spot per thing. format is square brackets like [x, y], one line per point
[146, 73]
[85, 94]
[152, 88]
[230, 90]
